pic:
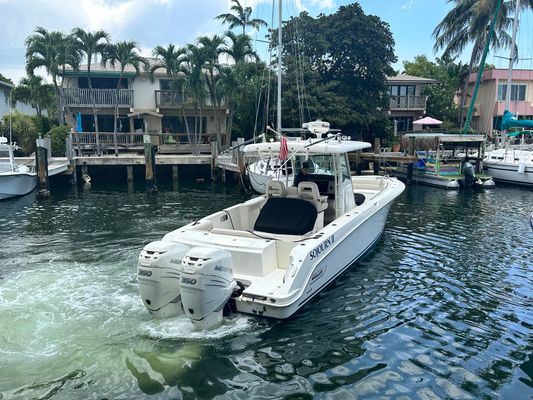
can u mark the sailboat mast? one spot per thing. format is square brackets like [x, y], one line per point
[512, 56]
[278, 124]
[510, 69]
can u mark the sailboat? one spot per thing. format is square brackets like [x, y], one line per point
[511, 164]
[270, 255]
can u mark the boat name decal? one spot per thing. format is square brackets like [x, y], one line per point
[322, 247]
[144, 272]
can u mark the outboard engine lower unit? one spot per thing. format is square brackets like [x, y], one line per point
[206, 285]
[158, 274]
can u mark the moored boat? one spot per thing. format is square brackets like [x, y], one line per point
[270, 255]
[15, 179]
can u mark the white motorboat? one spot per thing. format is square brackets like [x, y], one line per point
[15, 179]
[272, 254]
[513, 166]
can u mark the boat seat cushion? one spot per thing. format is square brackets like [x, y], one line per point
[286, 216]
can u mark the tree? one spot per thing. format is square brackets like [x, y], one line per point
[172, 60]
[91, 44]
[6, 80]
[339, 63]
[33, 91]
[241, 18]
[466, 23]
[449, 76]
[24, 131]
[52, 51]
[212, 47]
[241, 49]
[195, 59]
[123, 53]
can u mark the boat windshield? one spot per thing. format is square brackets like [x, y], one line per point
[4, 153]
[321, 164]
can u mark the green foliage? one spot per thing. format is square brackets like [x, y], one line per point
[24, 131]
[4, 79]
[450, 77]
[343, 59]
[57, 136]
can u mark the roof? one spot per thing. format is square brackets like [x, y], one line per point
[6, 84]
[447, 137]
[98, 69]
[312, 146]
[403, 78]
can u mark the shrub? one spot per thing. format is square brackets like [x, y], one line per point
[57, 136]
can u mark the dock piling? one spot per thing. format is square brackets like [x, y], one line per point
[149, 158]
[41, 155]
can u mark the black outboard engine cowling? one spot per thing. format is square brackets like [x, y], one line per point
[206, 285]
[469, 173]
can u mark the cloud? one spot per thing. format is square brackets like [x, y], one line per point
[408, 5]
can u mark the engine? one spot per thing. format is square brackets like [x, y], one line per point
[158, 274]
[206, 285]
[469, 173]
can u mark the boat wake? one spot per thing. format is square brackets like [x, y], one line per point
[180, 327]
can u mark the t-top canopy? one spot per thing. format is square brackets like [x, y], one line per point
[313, 146]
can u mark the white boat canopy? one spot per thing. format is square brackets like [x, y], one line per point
[312, 146]
[447, 137]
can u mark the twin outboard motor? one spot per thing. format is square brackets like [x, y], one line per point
[158, 274]
[469, 173]
[206, 285]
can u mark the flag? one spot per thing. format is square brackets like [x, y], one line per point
[283, 149]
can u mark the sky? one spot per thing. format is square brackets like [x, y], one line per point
[160, 22]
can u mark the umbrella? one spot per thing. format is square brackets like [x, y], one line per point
[79, 127]
[425, 121]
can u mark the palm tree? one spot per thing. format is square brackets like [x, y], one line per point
[34, 91]
[92, 44]
[123, 53]
[196, 59]
[241, 18]
[172, 60]
[52, 51]
[212, 47]
[466, 23]
[241, 48]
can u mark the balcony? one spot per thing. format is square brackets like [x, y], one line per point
[407, 103]
[74, 97]
[168, 99]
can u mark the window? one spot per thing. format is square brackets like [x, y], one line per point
[518, 92]
[402, 90]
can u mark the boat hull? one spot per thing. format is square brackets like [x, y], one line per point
[16, 184]
[355, 239]
[508, 173]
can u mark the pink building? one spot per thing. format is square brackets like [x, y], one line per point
[490, 100]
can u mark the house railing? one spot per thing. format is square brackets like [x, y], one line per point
[75, 97]
[168, 99]
[104, 142]
[408, 102]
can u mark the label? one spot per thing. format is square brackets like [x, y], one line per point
[315, 253]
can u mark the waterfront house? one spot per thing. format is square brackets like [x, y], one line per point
[407, 99]
[490, 100]
[5, 107]
[146, 104]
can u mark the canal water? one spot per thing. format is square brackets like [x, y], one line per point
[442, 308]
